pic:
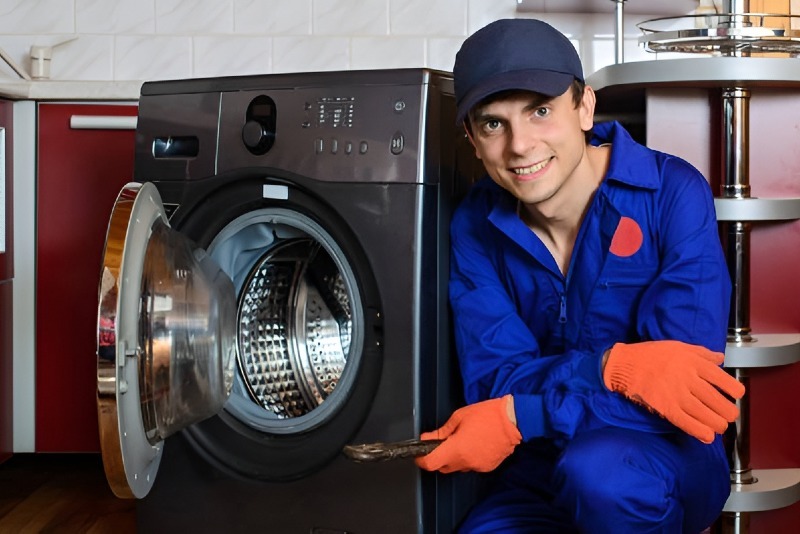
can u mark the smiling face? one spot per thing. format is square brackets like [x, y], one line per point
[535, 146]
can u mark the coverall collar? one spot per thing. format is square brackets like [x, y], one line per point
[631, 163]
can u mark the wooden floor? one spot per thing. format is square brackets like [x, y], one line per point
[60, 493]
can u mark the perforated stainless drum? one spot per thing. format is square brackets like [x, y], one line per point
[299, 318]
[294, 328]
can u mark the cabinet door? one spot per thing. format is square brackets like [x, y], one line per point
[80, 172]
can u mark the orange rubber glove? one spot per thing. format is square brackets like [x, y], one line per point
[681, 382]
[477, 437]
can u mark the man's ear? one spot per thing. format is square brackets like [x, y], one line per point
[471, 140]
[586, 109]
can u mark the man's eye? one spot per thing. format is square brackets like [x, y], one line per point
[541, 112]
[491, 125]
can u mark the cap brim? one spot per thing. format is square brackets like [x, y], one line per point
[546, 82]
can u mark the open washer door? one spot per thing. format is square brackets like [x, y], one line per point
[166, 339]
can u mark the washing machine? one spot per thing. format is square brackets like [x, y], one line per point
[274, 288]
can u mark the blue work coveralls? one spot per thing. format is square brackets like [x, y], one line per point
[591, 460]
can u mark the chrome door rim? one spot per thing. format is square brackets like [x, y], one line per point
[129, 460]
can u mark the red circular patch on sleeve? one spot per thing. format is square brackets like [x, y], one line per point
[627, 238]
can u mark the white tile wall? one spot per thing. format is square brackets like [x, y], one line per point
[293, 54]
[429, 17]
[231, 55]
[387, 52]
[350, 17]
[194, 17]
[37, 16]
[167, 39]
[119, 16]
[272, 17]
[143, 58]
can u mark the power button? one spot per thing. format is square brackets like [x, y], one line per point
[398, 143]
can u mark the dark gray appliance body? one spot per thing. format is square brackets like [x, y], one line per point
[374, 159]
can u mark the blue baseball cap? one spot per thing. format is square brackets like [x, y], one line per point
[510, 54]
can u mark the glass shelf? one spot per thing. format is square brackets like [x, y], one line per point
[727, 34]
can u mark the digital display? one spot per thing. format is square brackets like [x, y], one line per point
[262, 110]
[337, 112]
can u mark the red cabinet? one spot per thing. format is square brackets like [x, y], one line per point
[79, 173]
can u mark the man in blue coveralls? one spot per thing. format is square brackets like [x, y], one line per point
[590, 298]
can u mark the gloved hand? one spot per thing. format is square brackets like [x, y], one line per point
[678, 381]
[477, 437]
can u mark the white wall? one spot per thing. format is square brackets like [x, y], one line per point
[160, 39]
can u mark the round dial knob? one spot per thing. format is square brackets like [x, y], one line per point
[253, 134]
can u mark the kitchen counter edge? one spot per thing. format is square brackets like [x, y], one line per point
[70, 90]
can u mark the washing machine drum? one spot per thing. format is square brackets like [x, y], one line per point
[294, 329]
[297, 300]
[266, 329]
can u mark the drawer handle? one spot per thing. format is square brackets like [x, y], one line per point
[101, 122]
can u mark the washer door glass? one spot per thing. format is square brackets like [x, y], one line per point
[166, 338]
[299, 313]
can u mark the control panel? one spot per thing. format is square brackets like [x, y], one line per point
[361, 133]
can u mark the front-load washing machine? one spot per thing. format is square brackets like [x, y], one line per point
[273, 289]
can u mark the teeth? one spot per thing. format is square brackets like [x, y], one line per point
[531, 169]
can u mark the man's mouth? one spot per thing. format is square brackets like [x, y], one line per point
[532, 169]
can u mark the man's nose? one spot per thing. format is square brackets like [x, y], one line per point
[522, 139]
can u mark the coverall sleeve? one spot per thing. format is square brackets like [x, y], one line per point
[690, 299]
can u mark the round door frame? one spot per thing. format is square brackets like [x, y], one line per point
[225, 441]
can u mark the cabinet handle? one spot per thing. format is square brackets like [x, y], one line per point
[102, 122]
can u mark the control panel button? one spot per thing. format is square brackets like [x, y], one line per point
[252, 134]
[398, 143]
[363, 147]
[319, 146]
